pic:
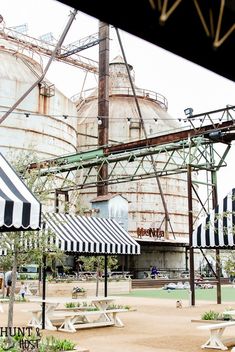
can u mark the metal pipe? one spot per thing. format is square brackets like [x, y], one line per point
[105, 275]
[217, 251]
[43, 290]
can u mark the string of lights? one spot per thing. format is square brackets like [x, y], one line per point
[66, 116]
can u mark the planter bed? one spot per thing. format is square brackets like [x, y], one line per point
[210, 321]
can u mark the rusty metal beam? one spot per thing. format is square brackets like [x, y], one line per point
[177, 136]
[103, 102]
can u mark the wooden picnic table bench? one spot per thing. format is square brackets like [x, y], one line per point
[36, 319]
[216, 331]
[73, 320]
[52, 314]
[70, 309]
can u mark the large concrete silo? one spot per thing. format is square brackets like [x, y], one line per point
[37, 124]
[145, 207]
[40, 126]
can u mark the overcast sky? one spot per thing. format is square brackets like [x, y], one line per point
[183, 83]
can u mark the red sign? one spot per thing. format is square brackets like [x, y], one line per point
[151, 232]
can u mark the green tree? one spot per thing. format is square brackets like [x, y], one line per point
[229, 265]
[96, 263]
[15, 242]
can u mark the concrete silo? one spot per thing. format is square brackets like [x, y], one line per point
[39, 125]
[145, 205]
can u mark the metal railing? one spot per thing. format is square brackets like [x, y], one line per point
[124, 91]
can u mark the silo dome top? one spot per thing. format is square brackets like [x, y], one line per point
[118, 75]
[120, 85]
[16, 65]
[119, 60]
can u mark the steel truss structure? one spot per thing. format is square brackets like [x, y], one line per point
[197, 147]
[67, 54]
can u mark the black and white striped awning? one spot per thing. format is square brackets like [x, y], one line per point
[218, 228]
[19, 209]
[89, 234]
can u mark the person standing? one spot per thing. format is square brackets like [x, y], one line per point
[23, 290]
[8, 282]
[154, 272]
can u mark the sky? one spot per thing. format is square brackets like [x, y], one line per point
[183, 83]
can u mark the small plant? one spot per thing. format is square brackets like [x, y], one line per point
[92, 309]
[210, 315]
[70, 305]
[115, 306]
[4, 345]
[78, 289]
[227, 317]
[56, 345]
[48, 344]
[127, 307]
[89, 307]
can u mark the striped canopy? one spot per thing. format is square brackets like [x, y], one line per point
[19, 209]
[218, 228]
[89, 234]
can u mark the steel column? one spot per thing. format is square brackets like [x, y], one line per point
[103, 102]
[217, 251]
[190, 228]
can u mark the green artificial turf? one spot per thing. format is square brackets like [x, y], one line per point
[227, 293]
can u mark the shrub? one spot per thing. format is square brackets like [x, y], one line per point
[49, 344]
[56, 345]
[78, 289]
[210, 315]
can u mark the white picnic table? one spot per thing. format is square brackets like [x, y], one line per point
[1, 305]
[216, 340]
[76, 320]
[80, 317]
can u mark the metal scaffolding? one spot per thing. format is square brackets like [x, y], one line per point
[171, 153]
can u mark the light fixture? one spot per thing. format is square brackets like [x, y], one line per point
[129, 120]
[188, 112]
[65, 117]
[99, 120]
[215, 135]
[155, 120]
[27, 114]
